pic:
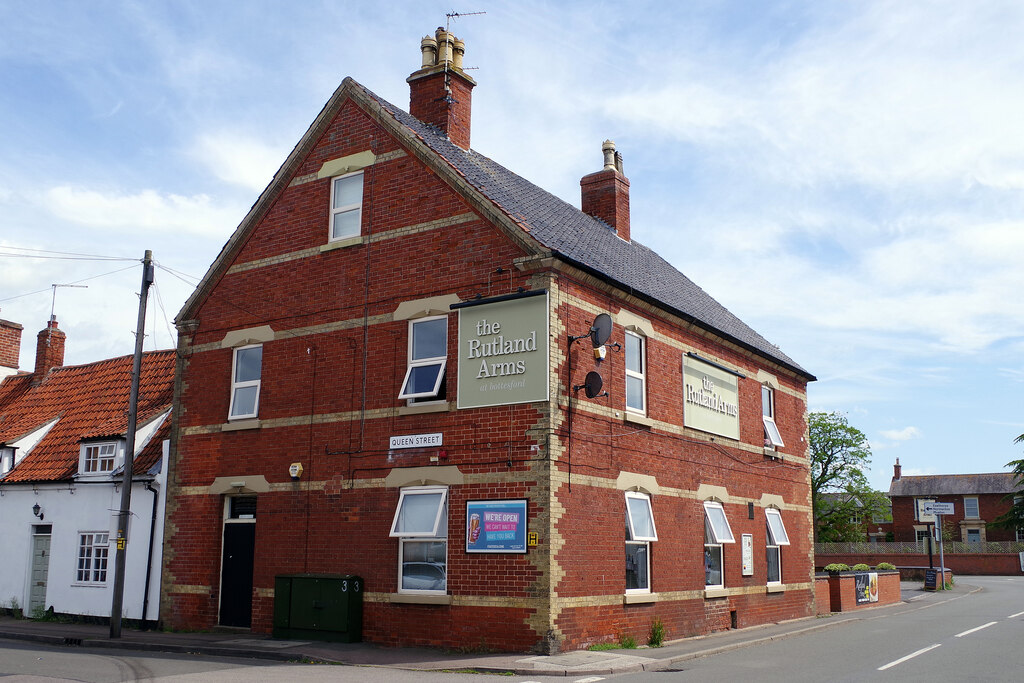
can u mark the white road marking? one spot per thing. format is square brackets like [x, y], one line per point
[592, 679]
[910, 656]
[967, 633]
[1014, 616]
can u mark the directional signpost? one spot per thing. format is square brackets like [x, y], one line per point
[938, 509]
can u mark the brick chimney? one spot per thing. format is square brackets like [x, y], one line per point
[605, 194]
[897, 471]
[441, 93]
[49, 350]
[10, 347]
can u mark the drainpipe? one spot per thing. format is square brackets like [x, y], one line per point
[149, 557]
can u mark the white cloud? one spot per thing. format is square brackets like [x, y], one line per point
[238, 159]
[905, 434]
[143, 210]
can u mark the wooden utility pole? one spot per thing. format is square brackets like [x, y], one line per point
[129, 452]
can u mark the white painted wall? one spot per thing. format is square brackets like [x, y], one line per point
[91, 507]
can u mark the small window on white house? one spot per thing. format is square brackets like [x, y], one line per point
[428, 357]
[772, 437]
[716, 532]
[346, 205]
[245, 382]
[971, 508]
[421, 526]
[6, 460]
[640, 531]
[99, 458]
[93, 550]
[636, 373]
[776, 536]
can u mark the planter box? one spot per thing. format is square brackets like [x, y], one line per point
[858, 590]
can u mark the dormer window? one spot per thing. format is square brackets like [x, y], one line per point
[6, 460]
[99, 457]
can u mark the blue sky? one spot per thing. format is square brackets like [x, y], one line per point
[848, 178]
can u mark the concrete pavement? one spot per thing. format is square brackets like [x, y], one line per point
[581, 662]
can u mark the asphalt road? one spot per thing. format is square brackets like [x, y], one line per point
[975, 637]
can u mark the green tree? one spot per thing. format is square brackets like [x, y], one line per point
[1014, 517]
[839, 488]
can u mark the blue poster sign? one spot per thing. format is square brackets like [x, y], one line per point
[496, 526]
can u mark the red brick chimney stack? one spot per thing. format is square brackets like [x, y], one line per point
[605, 194]
[49, 350]
[897, 470]
[441, 93]
[10, 346]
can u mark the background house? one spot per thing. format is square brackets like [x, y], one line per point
[978, 499]
[518, 426]
[62, 444]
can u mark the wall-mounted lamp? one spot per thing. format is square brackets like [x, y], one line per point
[37, 511]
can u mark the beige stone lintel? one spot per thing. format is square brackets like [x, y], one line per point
[633, 481]
[711, 593]
[444, 475]
[634, 323]
[346, 164]
[709, 492]
[772, 500]
[422, 408]
[251, 483]
[637, 418]
[250, 335]
[775, 588]
[421, 308]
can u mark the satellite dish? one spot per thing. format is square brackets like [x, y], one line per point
[600, 331]
[592, 384]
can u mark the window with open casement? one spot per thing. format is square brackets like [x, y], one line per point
[421, 526]
[716, 533]
[640, 532]
[428, 358]
[776, 536]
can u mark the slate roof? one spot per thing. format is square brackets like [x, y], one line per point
[954, 484]
[588, 242]
[91, 401]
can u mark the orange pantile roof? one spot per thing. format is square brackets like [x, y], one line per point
[89, 401]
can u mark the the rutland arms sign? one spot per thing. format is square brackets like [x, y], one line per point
[710, 399]
[503, 351]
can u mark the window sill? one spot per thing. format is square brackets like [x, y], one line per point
[239, 425]
[637, 418]
[423, 408]
[639, 598]
[89, 584]
[716, 593]
[414, 599]
[775, 588]
[341, 244]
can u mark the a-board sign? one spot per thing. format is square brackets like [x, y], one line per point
[931, 579]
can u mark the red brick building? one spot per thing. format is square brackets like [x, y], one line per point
[380, 376]
[978, 500]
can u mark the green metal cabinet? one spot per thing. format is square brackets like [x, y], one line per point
[318, 607]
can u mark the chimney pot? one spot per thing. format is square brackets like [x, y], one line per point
[608, 149]
[897, 470]
[428, 46]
